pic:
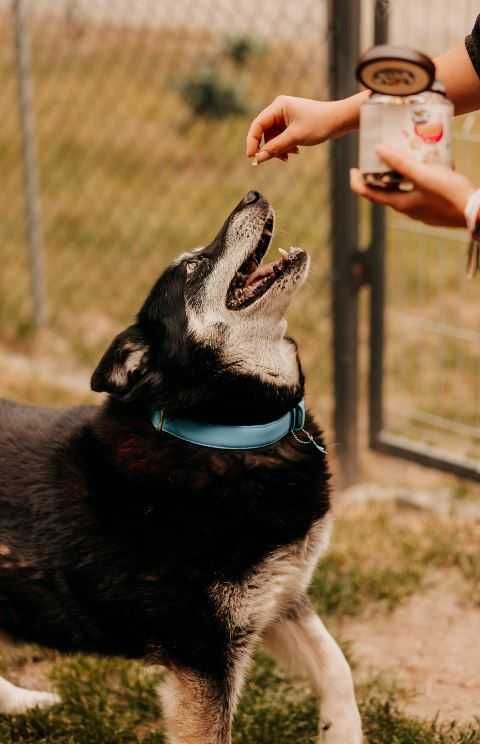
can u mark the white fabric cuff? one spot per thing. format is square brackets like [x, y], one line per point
[471, 212]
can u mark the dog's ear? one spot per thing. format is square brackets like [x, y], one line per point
[124, 364]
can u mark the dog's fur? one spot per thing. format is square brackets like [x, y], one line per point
[119, 539]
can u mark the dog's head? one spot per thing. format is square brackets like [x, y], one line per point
[210, 338]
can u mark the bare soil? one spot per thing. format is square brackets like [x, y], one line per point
[429, 646]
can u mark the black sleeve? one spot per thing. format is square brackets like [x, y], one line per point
[472, 42]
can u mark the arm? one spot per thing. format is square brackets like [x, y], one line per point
[455, 69]
[292, 122]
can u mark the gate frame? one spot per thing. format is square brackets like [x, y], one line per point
[353, 268]
[380, 439]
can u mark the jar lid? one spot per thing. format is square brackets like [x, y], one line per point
[395, 71]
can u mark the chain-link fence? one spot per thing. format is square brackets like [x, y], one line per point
[140, 113]
[138, 119]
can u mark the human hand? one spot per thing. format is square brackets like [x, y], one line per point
[440, 194]
[290, 122]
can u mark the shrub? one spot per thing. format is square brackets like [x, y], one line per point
[208, 95]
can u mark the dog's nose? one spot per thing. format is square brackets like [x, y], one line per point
[252, 197]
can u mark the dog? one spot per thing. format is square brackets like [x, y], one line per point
[120, 538]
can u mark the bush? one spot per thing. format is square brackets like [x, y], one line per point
[240, 47]
[210, 96]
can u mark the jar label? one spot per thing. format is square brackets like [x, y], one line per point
[421, 131]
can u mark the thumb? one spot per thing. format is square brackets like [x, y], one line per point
[277, 147]
[433, 178]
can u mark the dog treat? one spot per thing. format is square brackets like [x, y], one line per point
[408, 110]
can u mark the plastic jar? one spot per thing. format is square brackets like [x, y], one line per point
[408, 111]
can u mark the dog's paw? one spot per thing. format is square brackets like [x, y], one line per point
[21, 701]
[341, 728]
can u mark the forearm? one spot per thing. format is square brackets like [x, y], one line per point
[348, 113]
[456, 71]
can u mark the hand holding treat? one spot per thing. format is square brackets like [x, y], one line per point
[290, 122]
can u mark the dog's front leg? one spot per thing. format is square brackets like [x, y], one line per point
[197, 710]
[15, 699]
[302, 643]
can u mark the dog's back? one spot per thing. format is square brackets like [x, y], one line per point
[36, 520]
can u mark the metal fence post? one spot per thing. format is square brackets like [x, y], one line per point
[32, 197]
[344, 33]
[377, 276]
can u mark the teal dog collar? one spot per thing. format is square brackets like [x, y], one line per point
[224, 437]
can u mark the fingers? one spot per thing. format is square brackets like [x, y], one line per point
[423, 205]
[400, 201]
[398, 161]
[435, 178]
[357, 184]
[271, 126]
[292, 151]
[280, 146]
[265, 120]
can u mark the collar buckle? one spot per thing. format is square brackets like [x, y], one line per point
[298, 417]
[158, 419]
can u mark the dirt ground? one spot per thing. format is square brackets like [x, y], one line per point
[430, 647]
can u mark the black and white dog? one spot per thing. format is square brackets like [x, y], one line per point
[117, 537]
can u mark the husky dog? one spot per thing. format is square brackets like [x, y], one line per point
[119, 538]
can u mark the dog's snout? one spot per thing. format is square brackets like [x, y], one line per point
[252, 197]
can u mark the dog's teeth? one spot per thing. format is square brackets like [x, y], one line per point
[283, 252]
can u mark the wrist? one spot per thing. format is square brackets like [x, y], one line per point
[348, 113]
[463, 194]
[471, 211]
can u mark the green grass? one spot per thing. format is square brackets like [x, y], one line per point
[108, 701]
[383, 556]
[105, 701]
[384, 723]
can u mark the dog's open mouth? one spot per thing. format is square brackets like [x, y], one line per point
[253, 279]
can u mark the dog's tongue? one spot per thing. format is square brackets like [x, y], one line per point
[262, 271]
[258, 274]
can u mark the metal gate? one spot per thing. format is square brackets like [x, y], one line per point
[424, 350]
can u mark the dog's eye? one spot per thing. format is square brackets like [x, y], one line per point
[192, 264]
